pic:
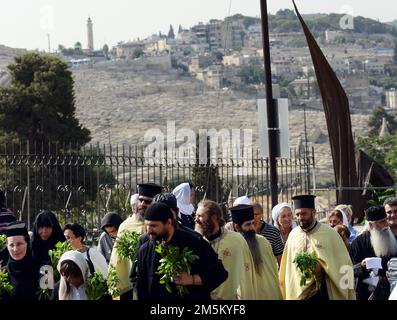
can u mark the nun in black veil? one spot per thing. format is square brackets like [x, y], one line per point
[23, 271]
[46, 234]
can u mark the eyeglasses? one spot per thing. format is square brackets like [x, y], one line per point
[147, 201]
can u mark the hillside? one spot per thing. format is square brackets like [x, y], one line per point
[286, 21]
[119, 102]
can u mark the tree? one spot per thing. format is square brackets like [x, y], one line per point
[375, 121]
[61, 47]
[105, 50]
[39, 105]
[180, 28]
[138, 52]
[171, 34]
[395, 53]
[252, 74]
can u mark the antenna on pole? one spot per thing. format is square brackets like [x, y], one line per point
[49, 43]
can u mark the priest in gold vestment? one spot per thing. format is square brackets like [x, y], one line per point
[334, 269]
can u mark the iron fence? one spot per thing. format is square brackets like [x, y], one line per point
[83, 184]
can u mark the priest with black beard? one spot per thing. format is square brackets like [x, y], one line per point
[266, 274]
[206, 272]
[376, 241]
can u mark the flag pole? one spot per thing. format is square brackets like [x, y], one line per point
[272, 116]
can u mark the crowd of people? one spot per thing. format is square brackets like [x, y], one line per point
[296, 257]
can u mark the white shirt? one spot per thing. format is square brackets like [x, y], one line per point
[78, 293]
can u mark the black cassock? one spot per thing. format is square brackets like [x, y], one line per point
[208, 266]
[360, 249]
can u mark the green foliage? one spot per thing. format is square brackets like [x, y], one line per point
[126, 244]
[379, 196]
[3, 241]
[306, 264]
[252, 74]
[55, 254]
[395, 53]
[172, 264]
[105, 50]
[43, 294]
[382, 149]
[5, 285]
[375, 121]
[39, 104]
[96, 286]
[138, 52]
[112, 282]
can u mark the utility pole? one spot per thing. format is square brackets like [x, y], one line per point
[49, 43]
[272, 119]
[307, 159]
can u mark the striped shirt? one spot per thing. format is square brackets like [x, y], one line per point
[272, 234]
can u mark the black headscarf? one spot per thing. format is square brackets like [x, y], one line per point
[40, 247]
[111, 219]
[23, 274]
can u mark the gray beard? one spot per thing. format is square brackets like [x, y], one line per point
[253, 244]
[140, 217]
[383, 242]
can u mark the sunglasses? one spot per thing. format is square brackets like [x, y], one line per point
[146, 201]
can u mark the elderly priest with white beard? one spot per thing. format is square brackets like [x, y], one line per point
[376, 241]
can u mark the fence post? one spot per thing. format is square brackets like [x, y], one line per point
[28, 182]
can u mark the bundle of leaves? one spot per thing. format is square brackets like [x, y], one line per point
[43, 294]
[306, 263]
[55, 255]
[112, 282]
[97, 286]
[126, 244]
[3, 241]
[5, 285]
[172, 263]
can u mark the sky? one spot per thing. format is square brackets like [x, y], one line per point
[27, 23]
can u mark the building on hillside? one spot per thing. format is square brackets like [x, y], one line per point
[391, 98]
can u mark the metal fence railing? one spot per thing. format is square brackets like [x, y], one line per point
[83, 184]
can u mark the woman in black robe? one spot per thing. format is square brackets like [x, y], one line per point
[46, 234]
[23, 272]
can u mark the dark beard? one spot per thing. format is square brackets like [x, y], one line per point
[253, 244]
[206, 229]
[159, 237]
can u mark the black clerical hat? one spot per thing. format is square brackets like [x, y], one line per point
[304, 201]
[242, 213]
[16, 228]
[158, 212]
[149, 189]
[375, 213]
[168, 198]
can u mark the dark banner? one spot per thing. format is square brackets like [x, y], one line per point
[337, 114]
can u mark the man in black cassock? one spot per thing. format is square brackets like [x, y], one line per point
[207, 272]
[376, 241]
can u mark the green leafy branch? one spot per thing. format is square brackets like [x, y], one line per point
[306, 263]
[96, 286]
[112, 282]
[5, 285]
[43, 294]
[3, 241]
[172, 263]
[55, 254]
[126, 244]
